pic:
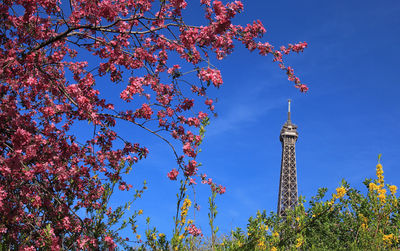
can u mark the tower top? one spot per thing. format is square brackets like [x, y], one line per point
[289, 129]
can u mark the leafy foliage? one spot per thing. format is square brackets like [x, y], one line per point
[347, 221]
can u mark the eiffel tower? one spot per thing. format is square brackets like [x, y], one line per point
[288, 178]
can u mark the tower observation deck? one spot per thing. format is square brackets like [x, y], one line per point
[288, 178]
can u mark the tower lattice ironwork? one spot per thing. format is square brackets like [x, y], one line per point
[288, 178]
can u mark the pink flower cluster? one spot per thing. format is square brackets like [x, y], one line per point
[211, 75]
[214, 187]
[173, 174]
[193, 230]
[55, 74]
[191, 168]
[144, 112]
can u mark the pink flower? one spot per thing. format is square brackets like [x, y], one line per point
[191, 168]
[193, 230]
[188, 150]
[170, 112]
[144, 112]
[173, 174]
[202, 115]
[174, 71]
[67, 223]
[221, 189]
[299, 47]
[122, 187]
[3, 195]
[206, 2]
[208, 102]
[110, 242]
[302, 87]
[187, 104]
[211, 75]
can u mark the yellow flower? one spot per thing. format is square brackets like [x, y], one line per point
[275, 234]
[379, 173]
[393, 189]
[140, 212]
[274, 249]
[341, 191]
[181, 237]
[266, 228]
[387, 238]
[184, 209]
[382, 194]
[373, 187]
[154, 236]
[187, 203]
[138, 236]
[161, 235]
[261, 244]
[297, 219]
[299, 242]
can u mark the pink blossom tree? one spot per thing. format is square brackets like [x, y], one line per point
[56, 57]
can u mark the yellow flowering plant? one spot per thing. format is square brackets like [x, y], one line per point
[349, 220]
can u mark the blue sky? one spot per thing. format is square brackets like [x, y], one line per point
[350, 114]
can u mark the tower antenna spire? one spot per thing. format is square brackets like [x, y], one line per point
[288, 114]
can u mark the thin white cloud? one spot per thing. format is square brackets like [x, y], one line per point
[241, 114]
[242, 197]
